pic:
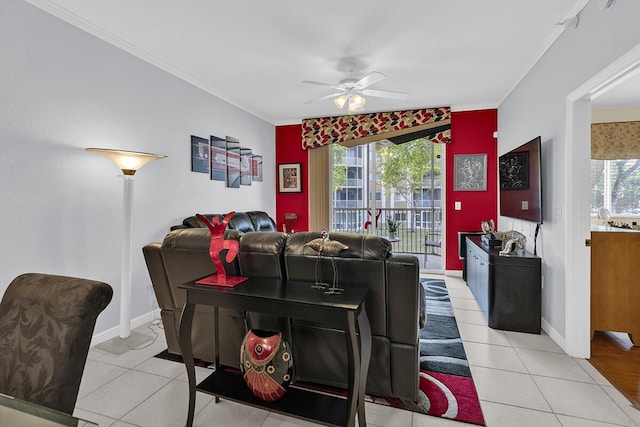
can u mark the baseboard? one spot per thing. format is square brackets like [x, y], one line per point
[115, 331]
[553, 334]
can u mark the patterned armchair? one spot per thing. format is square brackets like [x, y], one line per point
[46, 325]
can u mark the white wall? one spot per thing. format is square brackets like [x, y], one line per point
[608, 115]
[62, 90]
[538, 107]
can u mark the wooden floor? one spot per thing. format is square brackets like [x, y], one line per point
[614, 355]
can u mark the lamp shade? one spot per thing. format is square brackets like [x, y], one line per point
[128, 161]
[340, 101]
[356, 102]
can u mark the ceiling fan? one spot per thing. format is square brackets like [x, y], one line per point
[352, 92]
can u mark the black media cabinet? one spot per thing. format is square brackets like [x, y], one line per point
[507, 287]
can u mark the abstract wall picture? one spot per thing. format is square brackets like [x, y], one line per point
[233, 162]
[218, 159]
[199, 154]
[514, 171]
[470, 172]
[289, 178]
[256, 168]
[245, 166]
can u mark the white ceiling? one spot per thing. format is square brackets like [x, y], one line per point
[625, 94]
[467, 54]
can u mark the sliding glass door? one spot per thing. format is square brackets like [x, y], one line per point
[391, 190]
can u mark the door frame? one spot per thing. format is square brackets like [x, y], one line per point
[578, 202]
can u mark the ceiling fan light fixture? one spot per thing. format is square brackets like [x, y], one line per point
[340, 101]
[356, 102]
[359, 100]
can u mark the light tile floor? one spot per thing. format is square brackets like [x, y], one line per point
[522, 380]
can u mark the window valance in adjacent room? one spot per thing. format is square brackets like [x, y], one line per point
[617, 140]
[328, 130]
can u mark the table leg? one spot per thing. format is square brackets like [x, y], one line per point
[353, 371]
[216, 343]
[186, 348]
[364, 330]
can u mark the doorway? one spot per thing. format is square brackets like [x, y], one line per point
[578, 206]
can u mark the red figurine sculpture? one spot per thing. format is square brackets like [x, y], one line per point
[217, 245]
[368, 223]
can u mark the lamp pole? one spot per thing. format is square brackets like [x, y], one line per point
[126, 274]
[128, 162]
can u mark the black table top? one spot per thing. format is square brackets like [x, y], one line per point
[299, 292]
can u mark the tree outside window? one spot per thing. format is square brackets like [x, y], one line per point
[615, 185]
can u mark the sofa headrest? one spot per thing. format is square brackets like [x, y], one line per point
[362, 247]
[194, 222]
[241, 222]
[194, 238]
[272, 243]
[262, 221]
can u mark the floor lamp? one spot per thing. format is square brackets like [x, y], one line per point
[128, 162]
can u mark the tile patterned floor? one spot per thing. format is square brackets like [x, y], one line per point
[522, 380]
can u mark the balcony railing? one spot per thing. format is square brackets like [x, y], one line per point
[415, 225]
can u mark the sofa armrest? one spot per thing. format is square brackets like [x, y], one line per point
[403, 292]
[157, 273]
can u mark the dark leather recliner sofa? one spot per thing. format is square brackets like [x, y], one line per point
[319, 353]
[241, 221]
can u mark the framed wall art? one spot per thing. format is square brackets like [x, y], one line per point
[218, 158]
[289, 178]
[245, 166]
[199, 154]
[256, 168]
[470, 172]
[233, 162]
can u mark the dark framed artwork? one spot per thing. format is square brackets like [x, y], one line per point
[245, 166]
[470, 172]
[514, 171]
[218, 158]
[199, 154]
[290, 178]
[233, 162]
[256, 168]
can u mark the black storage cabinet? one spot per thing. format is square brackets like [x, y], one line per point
[507, 288]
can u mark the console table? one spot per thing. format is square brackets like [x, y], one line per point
[507, 287]
[287, 299]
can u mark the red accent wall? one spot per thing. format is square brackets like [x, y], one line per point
[289, 150]
[471, 133]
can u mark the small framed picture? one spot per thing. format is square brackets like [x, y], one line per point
[199, 154]
[470, 172]
[289, 178]
[256, 167]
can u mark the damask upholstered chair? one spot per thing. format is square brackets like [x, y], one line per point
[46, 325]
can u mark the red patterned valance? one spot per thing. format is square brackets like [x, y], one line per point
[329, 130]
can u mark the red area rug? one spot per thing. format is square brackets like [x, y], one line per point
[446, 386]
[442, 395]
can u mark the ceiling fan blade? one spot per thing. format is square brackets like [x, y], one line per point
[368, 80]
[384, 94]
[333, 95]
[320, 84]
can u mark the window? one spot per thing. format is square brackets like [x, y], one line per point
[615, 185]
